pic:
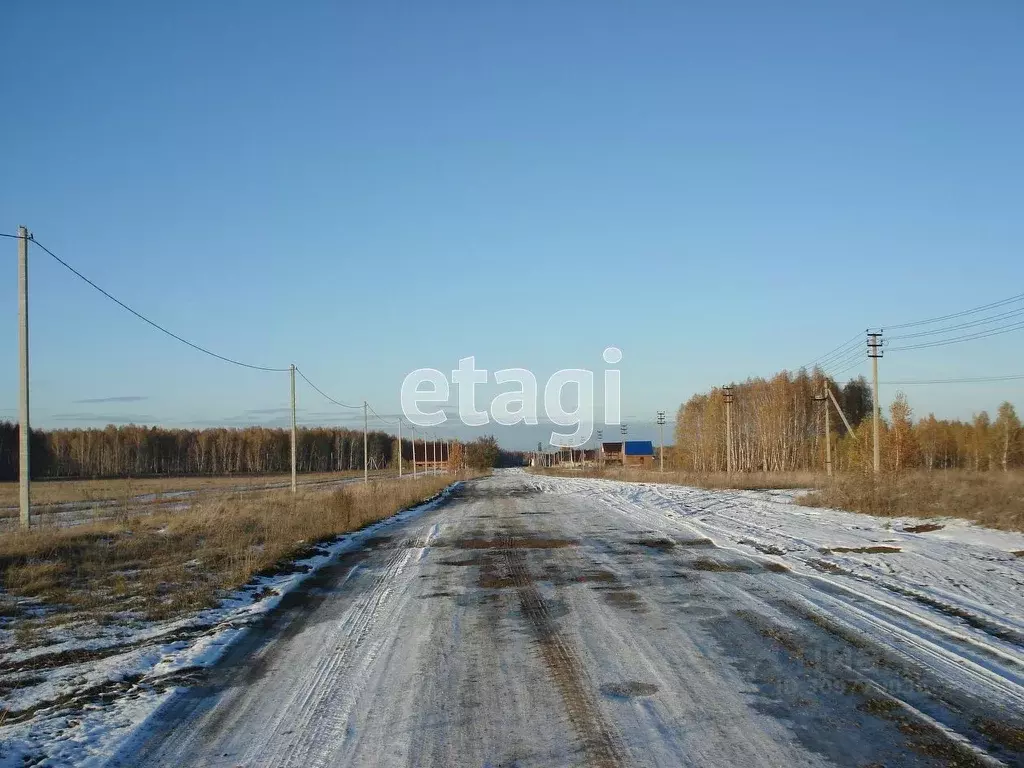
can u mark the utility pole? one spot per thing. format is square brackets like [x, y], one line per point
[399, 447]
[875, 352]
[839, 409]
[291, 372]
[661, 424]
[823, 398]
[600, 448]
[24, 428]
[727, 391]
[366, 454]
[413, 441]
[623, 430]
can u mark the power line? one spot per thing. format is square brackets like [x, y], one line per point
[847, 368]
[822, 359]
[958, 339]
[962, 326]
[145, 319]
[844, 362]
[386, 421]
[965, 380]
[975, 310]
[324, 394]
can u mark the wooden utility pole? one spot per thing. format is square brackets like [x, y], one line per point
[399, 447]
[661, 423]
[727, 392]
[24, 427]
[366, 451]
[413, 441]
[875, 352]
[291, 371]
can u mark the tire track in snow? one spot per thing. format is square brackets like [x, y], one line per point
[596, 735]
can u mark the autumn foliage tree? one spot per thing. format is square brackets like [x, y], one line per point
[778, 426]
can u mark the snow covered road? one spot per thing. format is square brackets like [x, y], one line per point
[540, 621]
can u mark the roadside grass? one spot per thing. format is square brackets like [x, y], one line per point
[56, 491]
[993, 499]
[160, 565]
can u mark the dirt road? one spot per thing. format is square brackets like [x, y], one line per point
[527, 623]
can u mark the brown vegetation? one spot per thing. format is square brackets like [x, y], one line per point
[46, 492]
[779, 427]
[993, 499]
[159, 565]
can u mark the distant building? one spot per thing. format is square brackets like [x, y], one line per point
[611, 453]
[638, 453]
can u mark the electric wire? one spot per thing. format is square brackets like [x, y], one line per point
[963, 313]
[959, 339]
[964, 380]
[159, 327]
[845, 363]
[837, 351]
[960, 326]
[847, 368]
[386, 421]
[324, 394]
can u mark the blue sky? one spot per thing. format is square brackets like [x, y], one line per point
[720, 190]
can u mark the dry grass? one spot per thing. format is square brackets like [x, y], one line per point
[117, 489]
[993, 499]
[159, 565]
[710, 480]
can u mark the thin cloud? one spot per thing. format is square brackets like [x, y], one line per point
[108, 418]
[117, 399]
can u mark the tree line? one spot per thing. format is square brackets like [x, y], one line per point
[777, 425]
[141, 451]
[138, 451]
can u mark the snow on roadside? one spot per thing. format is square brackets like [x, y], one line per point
[121, 674]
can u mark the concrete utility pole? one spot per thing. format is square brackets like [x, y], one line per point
[600, 448]
[413, 441]
[366, 452]
[291, 372]
[727, 391]
[823, 398]
[24, 427]
[399, 446]
[875, 352]
[839, 409]
[661, 423]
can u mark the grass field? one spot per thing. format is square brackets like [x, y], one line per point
[158, 565]
[45, 492]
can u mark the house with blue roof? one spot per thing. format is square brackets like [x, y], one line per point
[638, 453]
